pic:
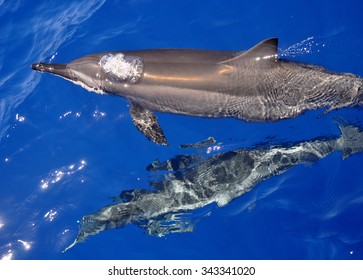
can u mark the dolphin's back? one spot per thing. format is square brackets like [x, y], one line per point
[182, 55]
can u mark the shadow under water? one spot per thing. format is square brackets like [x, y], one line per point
[190, 182]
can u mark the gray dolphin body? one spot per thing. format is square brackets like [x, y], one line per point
[252, 85]
[194, 182]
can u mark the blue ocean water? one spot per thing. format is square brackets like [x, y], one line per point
[65, 152]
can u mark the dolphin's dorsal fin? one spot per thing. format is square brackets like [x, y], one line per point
[264, 51]
[147, 123]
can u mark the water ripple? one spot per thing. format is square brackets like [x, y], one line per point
[57, 175]
[36, 38]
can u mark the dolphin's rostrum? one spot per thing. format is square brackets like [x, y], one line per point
[193, 182]
[252, 85]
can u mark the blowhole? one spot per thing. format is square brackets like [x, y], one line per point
[122, 68]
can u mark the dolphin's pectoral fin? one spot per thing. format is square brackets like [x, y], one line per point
[334, 107]
[147, 123]
[130, 195]
[176, 163]
[200, 144]
[169, 223]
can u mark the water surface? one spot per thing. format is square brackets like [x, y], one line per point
[65, 152]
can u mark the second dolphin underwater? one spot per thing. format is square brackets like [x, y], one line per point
[193, 182]
[253, 85]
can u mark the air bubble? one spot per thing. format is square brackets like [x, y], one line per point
[121, 67]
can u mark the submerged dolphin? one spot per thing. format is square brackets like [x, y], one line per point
[194, 182]
[252, 85]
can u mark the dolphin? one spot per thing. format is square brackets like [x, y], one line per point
[253, 85]
[192, 182]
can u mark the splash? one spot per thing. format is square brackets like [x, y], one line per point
[122, 67]
[310, 45]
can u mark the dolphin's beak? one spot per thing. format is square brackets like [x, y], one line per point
[56, 69]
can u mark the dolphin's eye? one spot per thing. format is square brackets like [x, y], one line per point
[121, 67]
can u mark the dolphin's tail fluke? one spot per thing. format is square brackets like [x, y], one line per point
[351, 140]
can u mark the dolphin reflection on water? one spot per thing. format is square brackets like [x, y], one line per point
[192, 182]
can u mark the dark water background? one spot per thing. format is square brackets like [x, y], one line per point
[64, 152]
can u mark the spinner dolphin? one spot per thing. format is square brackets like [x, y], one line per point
[192, 182]
[253, 85]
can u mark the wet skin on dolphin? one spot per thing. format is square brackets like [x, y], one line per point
[189, 182]
[252, 85]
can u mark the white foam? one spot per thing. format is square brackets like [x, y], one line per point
[122, 67]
